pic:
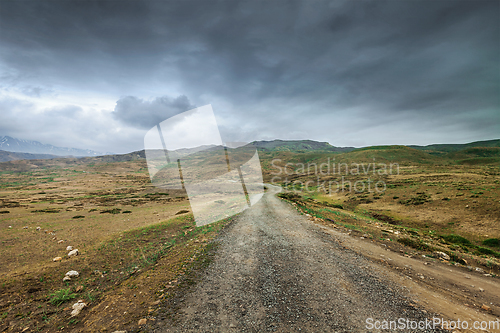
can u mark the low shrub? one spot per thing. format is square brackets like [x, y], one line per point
[61, 296]
[492, 242]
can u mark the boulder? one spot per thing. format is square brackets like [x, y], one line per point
[142, 321]
[57, 259]
[69, 248]
[73, 253]
[66, 278]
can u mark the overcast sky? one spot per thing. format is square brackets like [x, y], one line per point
[100, 74]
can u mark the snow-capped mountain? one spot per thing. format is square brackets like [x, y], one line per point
[8, 143]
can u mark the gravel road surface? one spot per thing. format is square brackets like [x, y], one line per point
[275, 271]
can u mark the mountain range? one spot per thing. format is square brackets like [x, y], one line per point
[480, 151]
[295, 145]
[11, 144]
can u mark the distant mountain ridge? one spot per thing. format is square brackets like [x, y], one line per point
[449, 148]
[6, 156]
[480, 151]
[11, 144]
[292, 145]
[309, 145]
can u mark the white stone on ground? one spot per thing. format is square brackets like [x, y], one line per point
[72, 273]
[77, 307]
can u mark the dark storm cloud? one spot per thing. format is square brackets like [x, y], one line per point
[277, 65]
[146, 114]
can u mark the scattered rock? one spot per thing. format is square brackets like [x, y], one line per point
[66, 278]
[119, 332]
[69, 248]
[38, 228]
[60, 241]
[73, 253]
[480, 270]
[442, 255]
[79, 288]
[25, 227]
[57, 259]
[77, 307]
[142, 321]
[486, 307]
[481, 289]
[72, 274]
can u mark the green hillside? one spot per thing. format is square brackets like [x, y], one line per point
[440, 149]
[479, 155]
[298, 145]
[390, 154]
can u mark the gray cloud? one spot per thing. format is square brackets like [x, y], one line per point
[145, 114]
[278, 69]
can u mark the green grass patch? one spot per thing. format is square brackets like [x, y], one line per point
[61, 296]
[492, 242]
[456, 239]
[416, 244]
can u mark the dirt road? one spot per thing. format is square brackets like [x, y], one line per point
[275, 271]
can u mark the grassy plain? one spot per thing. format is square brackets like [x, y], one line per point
[138, 244]
[400, 194]
[127, 232]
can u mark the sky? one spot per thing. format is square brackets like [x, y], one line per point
[100, 74]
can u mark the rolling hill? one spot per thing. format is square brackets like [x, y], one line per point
[298, 145]
[6, 156]
[441, 149]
